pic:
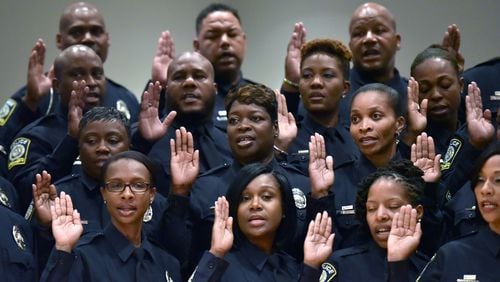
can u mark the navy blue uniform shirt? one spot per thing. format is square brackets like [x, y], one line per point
[42, 145]
[248, 263]
[109, 256]
[366, 262]
[17, 260]
[338, 142]
[475, 257]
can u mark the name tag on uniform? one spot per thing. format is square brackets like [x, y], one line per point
[496, 97]
[468, 278]
[349, 209]
[222, 115]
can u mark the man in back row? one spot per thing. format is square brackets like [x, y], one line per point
[219, 38]
[80, 23]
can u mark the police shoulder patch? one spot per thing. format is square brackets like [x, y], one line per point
[19, 152]
[4, 199]
[122, 107]
[451, 153]
[328, 272]
[300, 198]
[6, 111]
[18, 237]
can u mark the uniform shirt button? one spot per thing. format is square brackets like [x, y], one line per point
[210, 265]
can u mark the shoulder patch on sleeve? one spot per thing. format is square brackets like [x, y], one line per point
[122, 107]
[451, 153]
[4, 199]
[7, 110]
[328, 272]
[300, 198]
[19, 152]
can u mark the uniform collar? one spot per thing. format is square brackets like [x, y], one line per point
[88, 182]
[256, 257]
[358, 79]
[490, 239]
[122, 246]
[223, 87]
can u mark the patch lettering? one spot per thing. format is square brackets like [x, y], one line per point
[328, 272]
[451, 153]
[19, 152]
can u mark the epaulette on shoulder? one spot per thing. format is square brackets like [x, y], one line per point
[68, 178]
[488, 62]
[290, 167]
[89, 237]
[355, 250]
[215, 170]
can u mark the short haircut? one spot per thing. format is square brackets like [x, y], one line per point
[257, 94]
[104, 114]
[330, 47]
[393, 96]
[401, 171]
[61, 60]
[131, 155]
[435, 51]
[214, 7]
[286, 230]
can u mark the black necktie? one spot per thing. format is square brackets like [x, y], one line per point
[210, 157]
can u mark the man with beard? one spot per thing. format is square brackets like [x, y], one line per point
[191, 94]
[50, 143]
[219, 38]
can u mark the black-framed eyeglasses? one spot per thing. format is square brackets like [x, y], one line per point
[135, 187]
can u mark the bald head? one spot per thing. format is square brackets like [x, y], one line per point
[191, 57]
[372, 10]
[82, 23]
[374, 41]
[79, 63]
[190, 88]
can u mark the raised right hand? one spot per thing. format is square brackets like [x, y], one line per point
[222, 230]
[38, 84]
[66, 224]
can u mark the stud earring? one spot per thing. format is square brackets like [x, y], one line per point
[105, 202]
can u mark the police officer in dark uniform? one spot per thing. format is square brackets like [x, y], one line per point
[323, 82]
[80, 23]
[252, 129]
[104, 132]
[255, 256]
[17, 246]
[389, 190]
[122, 251]
[373, 54]
[191, 93]
[50, 142]
[486, 76]
[219, 38]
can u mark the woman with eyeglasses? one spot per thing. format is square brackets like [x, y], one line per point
[121, 252]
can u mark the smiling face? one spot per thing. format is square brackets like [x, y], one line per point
[439, 83]
[127, 208]
[190, 85]
[322, 84]
[260, 210]
[373, 38]
[98, 141]
[374, 126]
[487, 191]
[222, 41]
[385, 198]
[251, 133]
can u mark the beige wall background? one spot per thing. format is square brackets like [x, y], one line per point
[134, 27]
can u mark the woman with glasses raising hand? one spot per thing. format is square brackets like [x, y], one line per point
[121, 252]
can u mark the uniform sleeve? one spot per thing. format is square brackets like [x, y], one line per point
[398, 271]
[210, 268]
[292, 101]
[39, 156]
[309, 274]
[59, 266]
[14, 115]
